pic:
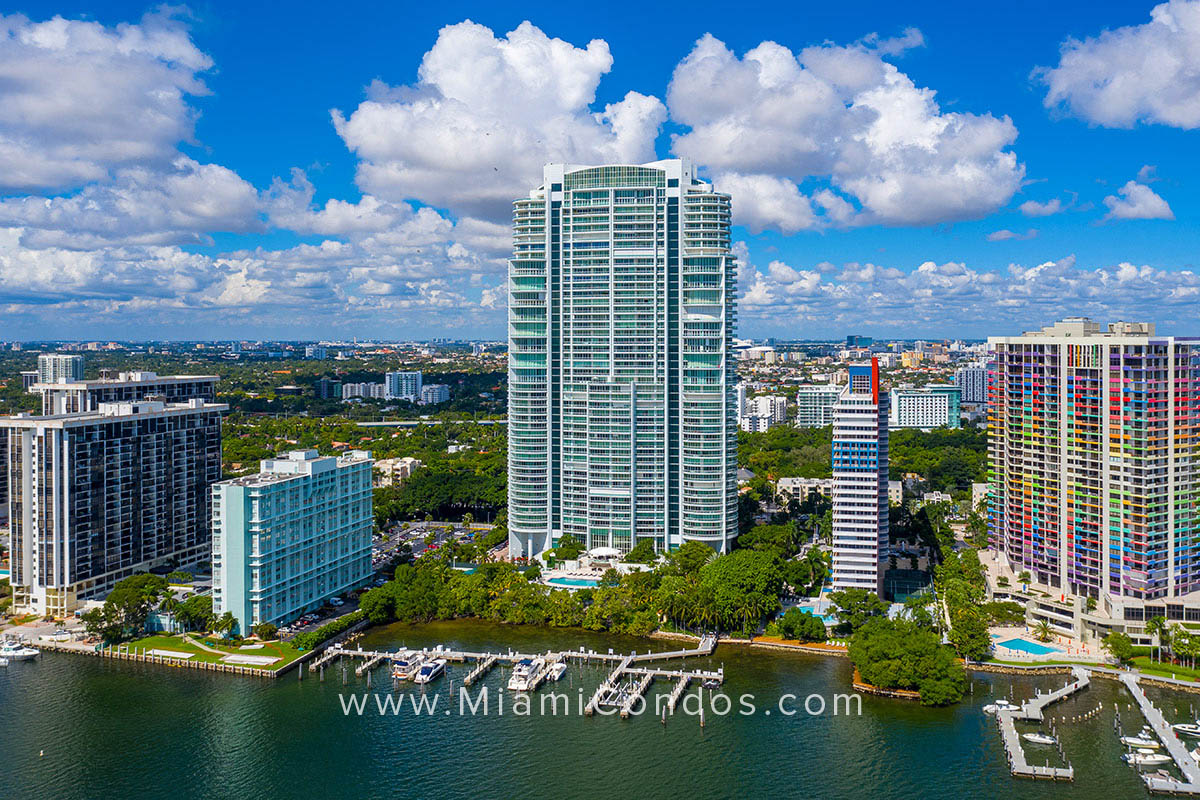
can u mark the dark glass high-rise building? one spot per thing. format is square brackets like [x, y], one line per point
[96, 496]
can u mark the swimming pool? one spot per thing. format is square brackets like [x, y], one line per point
[1033, 648]
[575, 583]
[830, 620]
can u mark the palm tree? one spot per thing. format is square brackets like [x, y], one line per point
[225, 624]
[1042, 631]
[1157, 627]
[170, 606]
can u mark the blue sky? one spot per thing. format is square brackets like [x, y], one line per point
[896, 169]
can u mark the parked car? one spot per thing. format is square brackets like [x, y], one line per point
[336, 601]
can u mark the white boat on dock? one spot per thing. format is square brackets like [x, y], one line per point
[998, 706]
[1039, 738]
[525, 674]
[1145, 739]
[430, 671]
[406, 664]
[1145, 757]
[17, 651]
[1187, 728]
[557, 670]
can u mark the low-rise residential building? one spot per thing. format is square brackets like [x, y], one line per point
[393, 471]
[291, 537]
[979, 493]
[936, 497]
[799, 488]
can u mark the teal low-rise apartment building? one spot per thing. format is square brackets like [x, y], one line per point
[291, 537]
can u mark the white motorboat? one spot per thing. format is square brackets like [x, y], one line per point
[16, 651]
[525, 673]
[1039, 738]
[405, 665]
[1145, 739]
[430, 671]
[1145, 757]
[998, 706]
[1187, 728]
[557, 670]
[3, 662]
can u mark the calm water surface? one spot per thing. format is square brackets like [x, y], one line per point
[112, 729]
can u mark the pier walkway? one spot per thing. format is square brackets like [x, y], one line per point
[625, 686]
[1166, 734]
[1033, 710]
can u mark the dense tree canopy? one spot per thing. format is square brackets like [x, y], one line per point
[897, 654]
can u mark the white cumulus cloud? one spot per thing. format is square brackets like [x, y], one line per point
[1137, 201]
[78, 99]
[1138, 73]
[484, 116]
[774, 119]
[1032, 208]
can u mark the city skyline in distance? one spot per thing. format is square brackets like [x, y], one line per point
[889, 175]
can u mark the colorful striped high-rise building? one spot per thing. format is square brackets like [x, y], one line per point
[1094, 448]
[621, 407]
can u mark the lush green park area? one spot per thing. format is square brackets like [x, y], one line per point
[284, 651]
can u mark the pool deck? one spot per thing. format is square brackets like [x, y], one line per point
[1042, 650]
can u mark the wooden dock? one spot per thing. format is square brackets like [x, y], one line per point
[677, 693]
[620, 691]
[482, 668]
[1033, 710]
[1166, 734]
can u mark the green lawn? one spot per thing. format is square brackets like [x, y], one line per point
[162, 641]
[1050, 663]
[1150, 667]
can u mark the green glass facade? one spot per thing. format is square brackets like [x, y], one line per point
[622, 420]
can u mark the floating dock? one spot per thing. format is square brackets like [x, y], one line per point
[1033, 710]
[620, 692]
[1166, 734]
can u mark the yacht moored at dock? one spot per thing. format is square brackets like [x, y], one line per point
[430, 671]
[17, 651]
[405, 665]
[557, 670]
[1145, 757]
[525, 674]
[998, 706]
